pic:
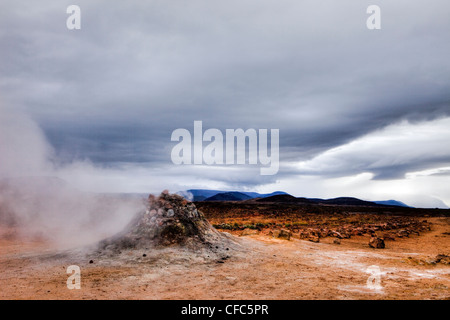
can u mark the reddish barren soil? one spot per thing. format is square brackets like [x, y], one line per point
[263, 268]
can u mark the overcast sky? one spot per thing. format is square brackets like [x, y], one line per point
[361, 112]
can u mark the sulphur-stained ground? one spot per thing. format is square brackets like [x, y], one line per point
[261, 268]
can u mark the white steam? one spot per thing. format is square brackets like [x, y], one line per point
[38, 203]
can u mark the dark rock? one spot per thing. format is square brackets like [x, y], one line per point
[285, 234]
[402, 233]
[376, 242]
[442, 258]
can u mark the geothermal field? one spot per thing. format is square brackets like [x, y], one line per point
[278, 248]
[259, 151]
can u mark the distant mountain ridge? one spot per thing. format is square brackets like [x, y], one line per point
[349, 201]
[285, 198]
[344, 201]
[204, 194]
[229, 196]
[393, 203]
[281, 196]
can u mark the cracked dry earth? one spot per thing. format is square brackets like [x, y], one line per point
[259, 267]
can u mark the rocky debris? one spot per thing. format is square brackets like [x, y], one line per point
[310, 234]
[357, 231]
[397, 228]
[168, 220]
[318, 224]
[336, 234]
[337, 241]
[403, 233]
[285, 234]
[421, 261]
[376, 242]
[442, 258]
[324, 232]
[281, 234]
[388, 236]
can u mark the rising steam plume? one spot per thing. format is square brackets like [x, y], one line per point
[37, 203]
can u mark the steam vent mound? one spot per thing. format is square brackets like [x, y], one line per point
[169, 220]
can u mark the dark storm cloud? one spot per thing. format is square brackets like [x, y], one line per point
[108, 144]
[116, 89]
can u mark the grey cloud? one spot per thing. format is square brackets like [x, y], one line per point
[389, 153]
[114, 91]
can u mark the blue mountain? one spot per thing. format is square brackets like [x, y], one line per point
[203, 194]
[393, 203]
[279, 196]
[229, 196]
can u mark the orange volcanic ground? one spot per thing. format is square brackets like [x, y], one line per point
[263, 268]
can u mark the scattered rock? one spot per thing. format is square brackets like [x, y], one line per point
[337, 235]
[442, 258]
[282, 234]
[400, 227]
[388, 236]
[285, 234]
[376, 242]
[402, 233]
[337, 241]
[274, 233]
